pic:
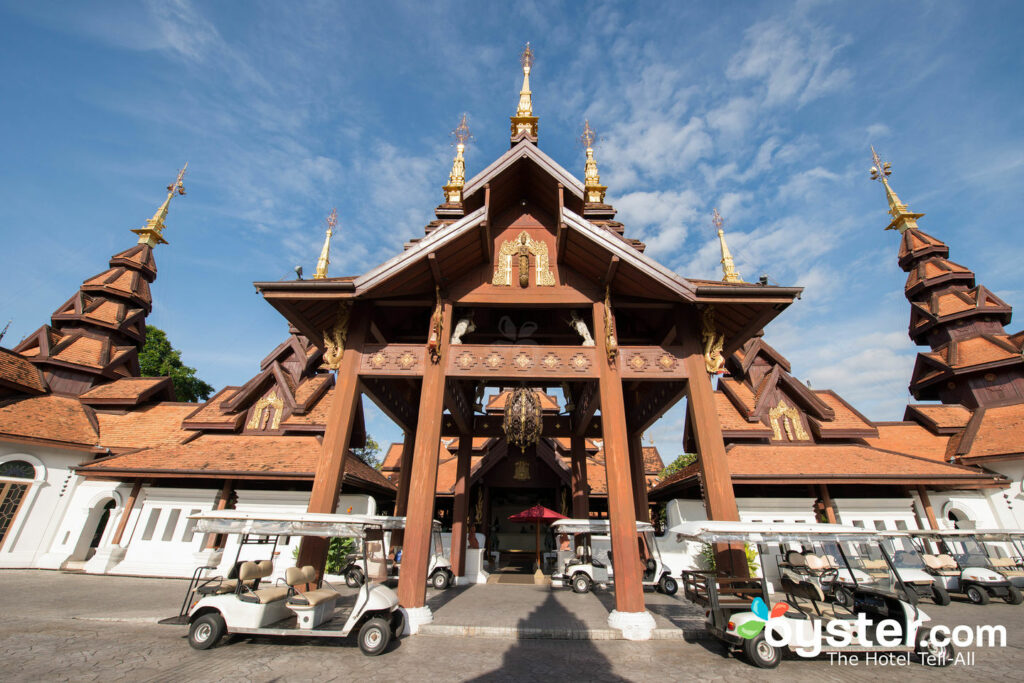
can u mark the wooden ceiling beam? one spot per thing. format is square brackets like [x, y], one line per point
[609, 274]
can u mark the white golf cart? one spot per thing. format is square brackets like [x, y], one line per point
[959, 559]
[739, 608]
[214, 605]
[439, 569]
[590, 563]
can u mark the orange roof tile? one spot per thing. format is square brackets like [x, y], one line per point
[741, 391]
[845, 415]
[83, 351]
[393, 458]
[129, 389]
[910, 438]
[50, 418]
[942, 416]
[210, 412]
[652, 460]
[145, 427]
[317, 415]
[731, 419]
[17, 371]
[999, 432]
[309, 387]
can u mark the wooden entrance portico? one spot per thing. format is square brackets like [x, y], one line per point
[654, 337]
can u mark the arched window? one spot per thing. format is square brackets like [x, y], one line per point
[12, 493]
[17, 469]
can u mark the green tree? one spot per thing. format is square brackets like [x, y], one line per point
[159, 359]
[369, 453]
[684, 460]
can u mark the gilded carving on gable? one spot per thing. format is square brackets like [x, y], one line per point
[519, 250]
[334, 338]
[785, 416]
[266, 414]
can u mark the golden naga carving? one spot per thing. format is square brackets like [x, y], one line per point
[713, 342]
[522, 247]
[786, 416]
[334, 337]
[259, 412]
[611, 340]
[436, 329]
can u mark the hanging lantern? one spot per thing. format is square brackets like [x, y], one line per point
[523, 414]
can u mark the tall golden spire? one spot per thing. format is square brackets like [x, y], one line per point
[592, 179]
[457, 178]
[524, 123]
[325, 253]
[902, 217]
[152, 234]
[729, 273]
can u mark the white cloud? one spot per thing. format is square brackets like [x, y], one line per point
[659, 218]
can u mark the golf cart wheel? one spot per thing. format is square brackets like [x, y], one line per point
[844, 597]
[760, 653]
[374, 637]
[668, 585]
[439, 580]
[940, 596]
[931, 654]
[977, 595]
[581, 583]
[354, 578]
[206, 631]
[1013, 596]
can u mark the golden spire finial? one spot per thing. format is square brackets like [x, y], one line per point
[325, 253]
[457, 178]
[152, 234]
[902, 217]
[728, 267]
[592, 179]
[524, 123]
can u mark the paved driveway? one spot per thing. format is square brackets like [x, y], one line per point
[73, 627]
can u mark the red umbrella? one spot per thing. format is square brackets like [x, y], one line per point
[536, 514]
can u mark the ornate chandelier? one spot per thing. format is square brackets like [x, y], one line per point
[523, 415]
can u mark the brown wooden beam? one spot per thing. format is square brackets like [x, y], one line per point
[580, 487]
[435, 269]
[460, 506]
[388, 396]
[927, 503]
[217, 540]
[587, 403]
[487, 244]
[553, 426]
[458, 407]
[639, 477]
[609, 274]
[412, 585]
[629, 594]
[826, 499]
[126, 513]
[337, 433]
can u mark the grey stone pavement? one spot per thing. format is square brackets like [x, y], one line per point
[84, 628]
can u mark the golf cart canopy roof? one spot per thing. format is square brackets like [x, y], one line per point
[590, 526]
[979, 534]
[711, 531]
[295, 524]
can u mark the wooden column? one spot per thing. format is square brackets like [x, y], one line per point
[927, 503]
[460, 507]
[636, 464]
[826, 498]
[719, 498]
[629, 594]
[412, 584]
[126, 513]
[216, 540]
[404, 476]
[580, 488]
[337, 434]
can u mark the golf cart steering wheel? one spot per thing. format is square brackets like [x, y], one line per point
[651, 565]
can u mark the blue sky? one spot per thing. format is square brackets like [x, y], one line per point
[283, 110]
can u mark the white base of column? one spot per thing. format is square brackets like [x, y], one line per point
[416, 617]
[634, 625]
[104, 560]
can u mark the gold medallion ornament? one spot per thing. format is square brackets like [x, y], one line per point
[406, 360]
[522, 470]
[153, 233]
[378, 360]
[713, 343]
[521, 248]
[270, 402]
[334, 337]
[523, 418]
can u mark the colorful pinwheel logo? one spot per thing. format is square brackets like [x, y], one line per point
[751, 628]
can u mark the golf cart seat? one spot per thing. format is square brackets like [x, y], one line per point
[229, 586]
[797, 589]
[294, 576]
[259, 570]
[942, 564]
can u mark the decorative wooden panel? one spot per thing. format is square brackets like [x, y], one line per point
[392, 359]
[522, 362]
[651, 362]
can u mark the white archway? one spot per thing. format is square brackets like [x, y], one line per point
[18, 492]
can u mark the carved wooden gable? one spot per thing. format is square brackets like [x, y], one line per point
[524, 250]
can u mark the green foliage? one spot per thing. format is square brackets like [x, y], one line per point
[707, 558]
[159, 359]
[337, 554]
[684, 460]
[369, 452]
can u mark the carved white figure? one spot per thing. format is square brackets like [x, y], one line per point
[463, 326]
[581, 328]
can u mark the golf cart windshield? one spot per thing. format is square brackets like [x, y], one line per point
[903, 552]
[284, 524]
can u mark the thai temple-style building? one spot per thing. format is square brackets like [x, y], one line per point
[524, 345]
